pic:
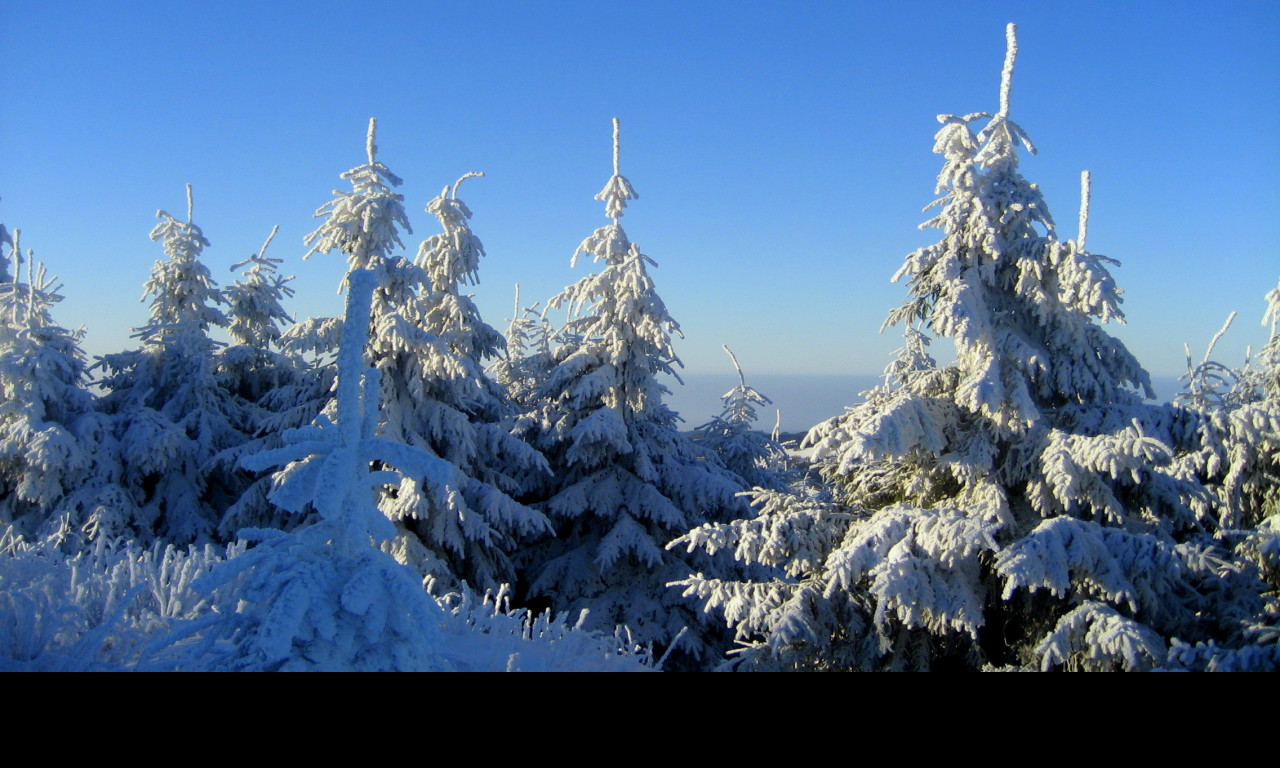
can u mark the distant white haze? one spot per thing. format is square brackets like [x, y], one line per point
[804, 400]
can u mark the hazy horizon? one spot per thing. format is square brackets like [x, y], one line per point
[803, 399]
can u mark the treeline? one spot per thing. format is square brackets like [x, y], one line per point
[342, 492]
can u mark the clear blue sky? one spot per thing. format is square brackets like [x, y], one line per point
[782, 151]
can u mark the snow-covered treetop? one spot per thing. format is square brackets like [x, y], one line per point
[1006, 74]
[27, 304]
[609, 243]
[362, 223]
[183, 293]
[740, 402]
[998, 153]
[1019, 304]
[1270, 358]
[618, 317]
[452, 258]
[1085, 192]
[1210, 384]
[618, 190]
[254, 305]
[1272, 316]
[41, 363]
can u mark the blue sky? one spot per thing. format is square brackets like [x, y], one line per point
[782, 151]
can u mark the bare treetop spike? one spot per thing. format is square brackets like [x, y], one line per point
[1006, 75]
[618, 191]
[738, 368]
[1084, 210]
[262, 252]
[453, 195]
[615, 147]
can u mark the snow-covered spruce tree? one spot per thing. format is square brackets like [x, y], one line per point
[526, 358]
[626, 481]
[276, 389]
[427, 341]
[733, 437]
[42, 396]
[325, 597]
[463, 414]
[171, 415]
[1237, 431]
[1018, 507]
[255, 317]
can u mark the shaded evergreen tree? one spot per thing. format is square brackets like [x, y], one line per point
[526, 357]
[734, 439]
[276, 389]
[325, 597]
[43, 399]
[626, 481]
[170, 414]
[1236, 419]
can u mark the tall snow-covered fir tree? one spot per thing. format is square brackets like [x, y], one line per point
[1019, 507]
[43, 399]
[427, 341]
[171, 414]
[626, 481]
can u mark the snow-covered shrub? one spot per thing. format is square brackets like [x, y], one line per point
[486, 634]
[106, 606]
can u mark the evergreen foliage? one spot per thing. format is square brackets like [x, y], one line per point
[980, 507]
[427, 341]
[527, 357]
[276, 389]
[1234, 415]
[170, 414]
[43, 400]
[325, 597]
[1024, 507]
[625, 481]
[733, 438]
